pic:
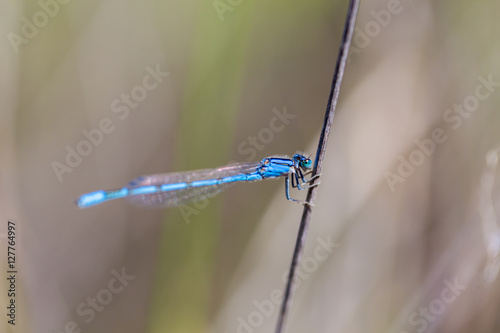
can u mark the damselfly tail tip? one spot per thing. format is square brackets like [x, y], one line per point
[90, 199]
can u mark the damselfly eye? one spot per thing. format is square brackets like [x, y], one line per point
[306, 164]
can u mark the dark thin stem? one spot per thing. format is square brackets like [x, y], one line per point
[318, 163]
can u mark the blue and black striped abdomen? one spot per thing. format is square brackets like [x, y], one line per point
[174, 189]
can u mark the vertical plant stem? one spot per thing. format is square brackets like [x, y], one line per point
[318, 163]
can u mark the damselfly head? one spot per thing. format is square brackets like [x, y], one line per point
[303, 162]
[306, 164]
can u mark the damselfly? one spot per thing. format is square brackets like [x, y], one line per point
[174, 189]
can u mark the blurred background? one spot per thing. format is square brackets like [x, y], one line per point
[405, 235]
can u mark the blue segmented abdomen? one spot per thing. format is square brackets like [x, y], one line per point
[174, 189]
